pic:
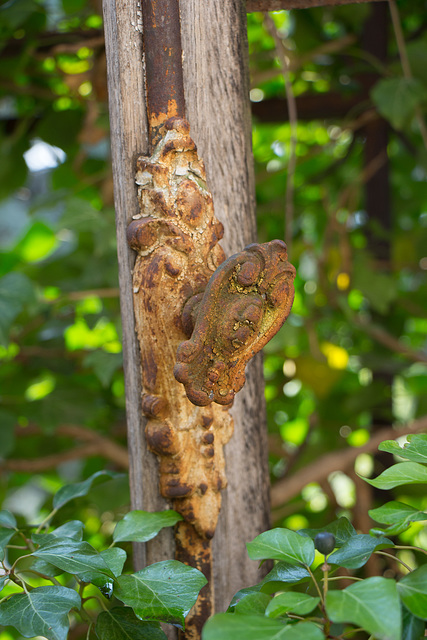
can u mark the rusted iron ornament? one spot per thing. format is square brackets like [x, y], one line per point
[200, 318]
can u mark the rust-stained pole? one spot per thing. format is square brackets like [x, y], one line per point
[163, 63]
[165, 99]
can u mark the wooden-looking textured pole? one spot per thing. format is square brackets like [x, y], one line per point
[216, 90]
[216, 83]
[130, 139]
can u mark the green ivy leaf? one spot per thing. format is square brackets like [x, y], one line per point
[163, 591]
[77, 558]
[253, 604]
[372, 604]
[140, 526]
[3, 581]
[40, 612]
[398, 474]
[227, 626]
[120, 623]
[282, 544]
[412, 589]
[412, 628]
[415, 449]
[16, 290]
[291, 602]
[357, 551]
[241, 594]
[284, 572]
[104, 364]
[5, 536]
[71, 529]
[397, 99]
[79, 489]
[398, 515]
[114, 558]
[7, 519]
[342, 529]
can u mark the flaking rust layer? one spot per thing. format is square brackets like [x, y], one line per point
[200, 319]
[176, 238]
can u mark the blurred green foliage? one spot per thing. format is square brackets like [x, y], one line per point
[351, 356]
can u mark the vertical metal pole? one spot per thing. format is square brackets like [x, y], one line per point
[163, 63]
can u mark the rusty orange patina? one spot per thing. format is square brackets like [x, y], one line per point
[202, 318]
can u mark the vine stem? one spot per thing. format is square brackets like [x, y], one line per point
[316, 584]
[327, 622]
[48, 517]
[390, 555]
[344, 578]
[44, 576]
[406, 67]
[398, 546]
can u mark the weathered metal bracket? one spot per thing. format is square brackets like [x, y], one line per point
[245, 303]
[229, 309]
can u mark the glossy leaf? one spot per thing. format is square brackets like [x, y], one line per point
[415, 449]
[412, 589]
[342, 529]
[114, 558]
[398, 515]
[372, 604]
[398, 474]
[5, 537]
[120, 623]
[16, 291]
[285, 572]
[243, 593]
[412, 627]
[253, 604]
[140, 526]
[397, 99]
[163, 591]
[282, 544]
[71, 529]
[79, 489]
[357, 551]
[40, 612]
[3, 581]
[78, 558]
[291, 602]
[226, 626]
[7, 519]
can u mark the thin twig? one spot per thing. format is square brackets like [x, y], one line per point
[97, 445]
[287, 488]
[390, 555]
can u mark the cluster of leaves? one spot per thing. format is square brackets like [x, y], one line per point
[351, 356]
[56, 575]
[297, 599]
[60, 330]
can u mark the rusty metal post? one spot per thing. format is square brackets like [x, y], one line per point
[163, 63]
[199, 318]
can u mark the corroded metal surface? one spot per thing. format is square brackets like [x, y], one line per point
[176, 237]
[245, 303]
[196, 551]
[163, 63]
[210, 314]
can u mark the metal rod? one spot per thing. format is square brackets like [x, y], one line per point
[163, 63]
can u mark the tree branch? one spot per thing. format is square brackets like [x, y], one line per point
[276, 5]
[96, 445]
[287, 488]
